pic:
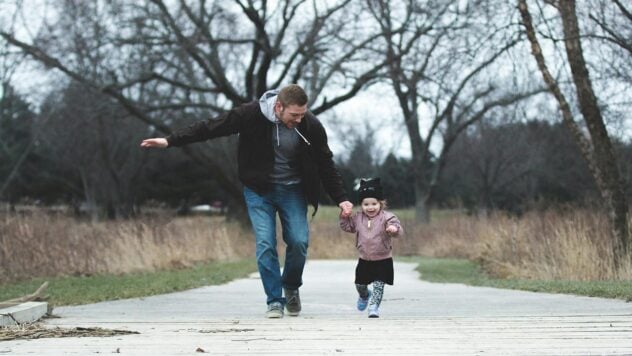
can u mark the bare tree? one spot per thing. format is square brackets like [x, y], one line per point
[102, 152]
[616, 24]
[609, 46]
[500, 162]
[437, 60]
[596, 146]
[165, 61]
[15, 115]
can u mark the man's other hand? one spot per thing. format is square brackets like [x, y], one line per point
[155, 142]
[346, 209]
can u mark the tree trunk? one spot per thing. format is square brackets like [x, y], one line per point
[422, 210]
[609, 180]
[422, 214]
[598, 152]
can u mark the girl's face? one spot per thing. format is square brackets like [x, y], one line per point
[371, 206]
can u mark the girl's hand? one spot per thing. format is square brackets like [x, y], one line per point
[346, 209]
[391, 230]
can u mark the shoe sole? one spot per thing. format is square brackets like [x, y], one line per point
[274, 316]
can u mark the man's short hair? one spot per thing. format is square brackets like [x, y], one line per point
[292, 94]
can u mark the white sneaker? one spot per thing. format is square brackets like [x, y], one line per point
[374, 311]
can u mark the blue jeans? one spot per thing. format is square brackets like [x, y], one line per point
[289, 201]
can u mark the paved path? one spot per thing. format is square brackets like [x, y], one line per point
[417, 318]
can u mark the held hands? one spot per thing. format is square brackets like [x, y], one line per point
[391, 230]
[154, 142]
[346, 209]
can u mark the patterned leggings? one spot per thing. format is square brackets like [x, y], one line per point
[378, 292]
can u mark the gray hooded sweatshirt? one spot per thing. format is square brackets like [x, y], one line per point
[286, 143]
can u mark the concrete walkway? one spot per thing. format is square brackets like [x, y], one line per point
[416, 318]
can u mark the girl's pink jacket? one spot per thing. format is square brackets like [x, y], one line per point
[372, 241]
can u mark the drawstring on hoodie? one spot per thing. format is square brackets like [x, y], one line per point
[298, 132]
[266, 104]
[295, 129]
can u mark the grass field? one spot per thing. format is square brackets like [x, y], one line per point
[71, 290]
[451, 270]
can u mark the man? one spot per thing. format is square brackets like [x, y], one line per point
[282, 160]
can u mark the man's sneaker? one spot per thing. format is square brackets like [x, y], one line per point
[374, 312]
[275, 310]
[363, 302]
[293, 305]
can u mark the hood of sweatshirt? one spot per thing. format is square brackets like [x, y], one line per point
[266, 103]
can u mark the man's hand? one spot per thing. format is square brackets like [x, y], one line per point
[154, 142]
[346, 209]
[391, 230]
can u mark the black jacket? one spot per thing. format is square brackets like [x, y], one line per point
[256, 152]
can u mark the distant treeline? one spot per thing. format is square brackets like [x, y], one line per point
[81, 151]
[509, 166]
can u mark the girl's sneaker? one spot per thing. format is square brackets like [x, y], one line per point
[374, 311]
[363, 302]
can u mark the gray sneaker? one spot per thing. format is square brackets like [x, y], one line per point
[293, 302]
[275, 310]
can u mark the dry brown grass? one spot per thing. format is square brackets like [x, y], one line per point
[551, 245]
[327, 240]
[453, 236]
[40, 244]
[568, 245]
[573, 245]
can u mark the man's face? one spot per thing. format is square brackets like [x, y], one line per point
[371, 206]
[290, 115]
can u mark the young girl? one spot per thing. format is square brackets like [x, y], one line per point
[374, 228]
